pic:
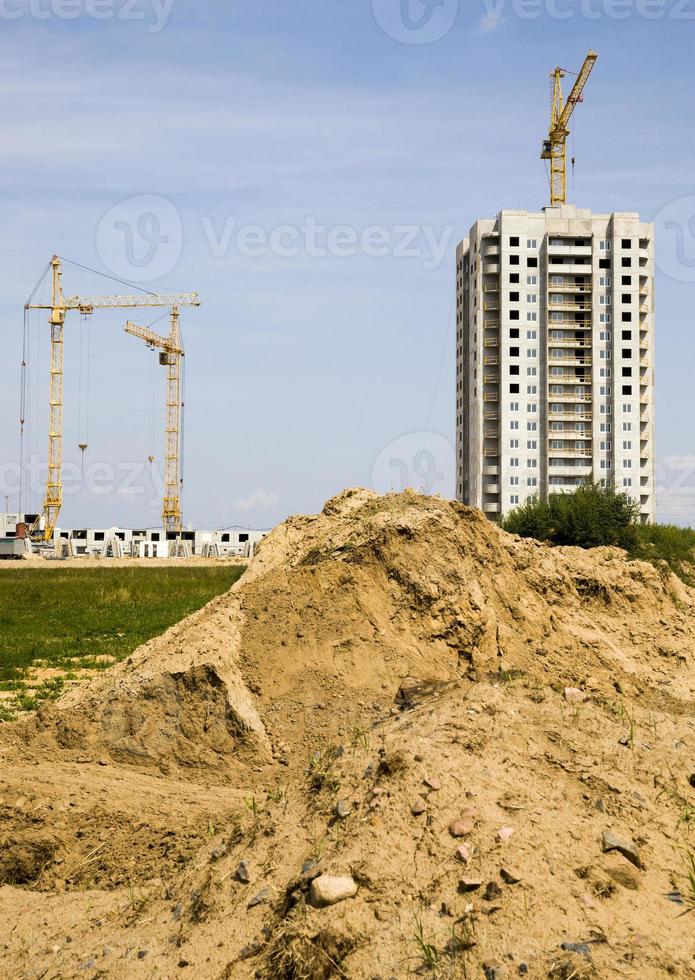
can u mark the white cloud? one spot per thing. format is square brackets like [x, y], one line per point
[258, 499]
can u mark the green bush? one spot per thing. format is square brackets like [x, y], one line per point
[669, 543]
[590, 517]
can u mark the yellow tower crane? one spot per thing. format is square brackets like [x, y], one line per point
[170, 356]
[59, 306]
[555, 146]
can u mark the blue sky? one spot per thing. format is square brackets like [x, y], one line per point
[314, 363]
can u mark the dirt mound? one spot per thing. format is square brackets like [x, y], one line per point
[488, 739]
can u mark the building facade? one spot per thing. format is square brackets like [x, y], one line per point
[554, 357]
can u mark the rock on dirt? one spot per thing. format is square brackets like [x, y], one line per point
[330, 889]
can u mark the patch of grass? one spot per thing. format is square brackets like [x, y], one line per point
[88, 619]
[428, 951]
[77, 617]
[669, 543]
[318, 771]
[689, 893]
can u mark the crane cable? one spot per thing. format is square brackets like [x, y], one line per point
[84, 387]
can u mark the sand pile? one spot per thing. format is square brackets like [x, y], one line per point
[398, 706]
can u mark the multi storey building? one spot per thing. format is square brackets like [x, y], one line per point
[554, 355]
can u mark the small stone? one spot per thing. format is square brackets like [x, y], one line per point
[463, 853]
[523, 969]
[142, 953]
[582, 949]
[492, 891]
[691, 780]
[418, 757]
[574, 696]
[242, 873]
[461, 828]
[259, 898]
[342, 809]
[418, 808]
[103, 762]
[432, 783]
[612, 843]
[252, 949]
[469, 885]
[182, 964]
[493, 970]
[504, 834]
[510, 877]
[329, 889]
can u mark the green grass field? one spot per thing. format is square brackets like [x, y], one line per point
[87, 618]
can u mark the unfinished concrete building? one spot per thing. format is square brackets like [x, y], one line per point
[554, 365]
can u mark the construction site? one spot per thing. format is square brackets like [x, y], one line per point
[399, 740]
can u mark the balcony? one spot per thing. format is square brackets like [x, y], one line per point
[570, 249]
[569, 453]
[567, 359]
[491, 416]
[491, 379]
[557, 379]
[491, 397]
[554, 305]
[568, 397]
[491, 342]
[569, 287]
[569, 342]
[491, 359]
[574, 433]
[491, 269]
[492, 488]
[490, 453]
[491, 508]
[491, 306]
[569, 416]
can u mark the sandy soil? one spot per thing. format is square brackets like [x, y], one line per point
[396, 693]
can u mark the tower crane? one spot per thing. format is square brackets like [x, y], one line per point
[58, 308]
[170, 356]
[555, 146]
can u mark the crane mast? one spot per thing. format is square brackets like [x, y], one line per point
[170, 356]
[58, 308]
[555, 146]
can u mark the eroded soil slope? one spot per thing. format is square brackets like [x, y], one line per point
[397, 693]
